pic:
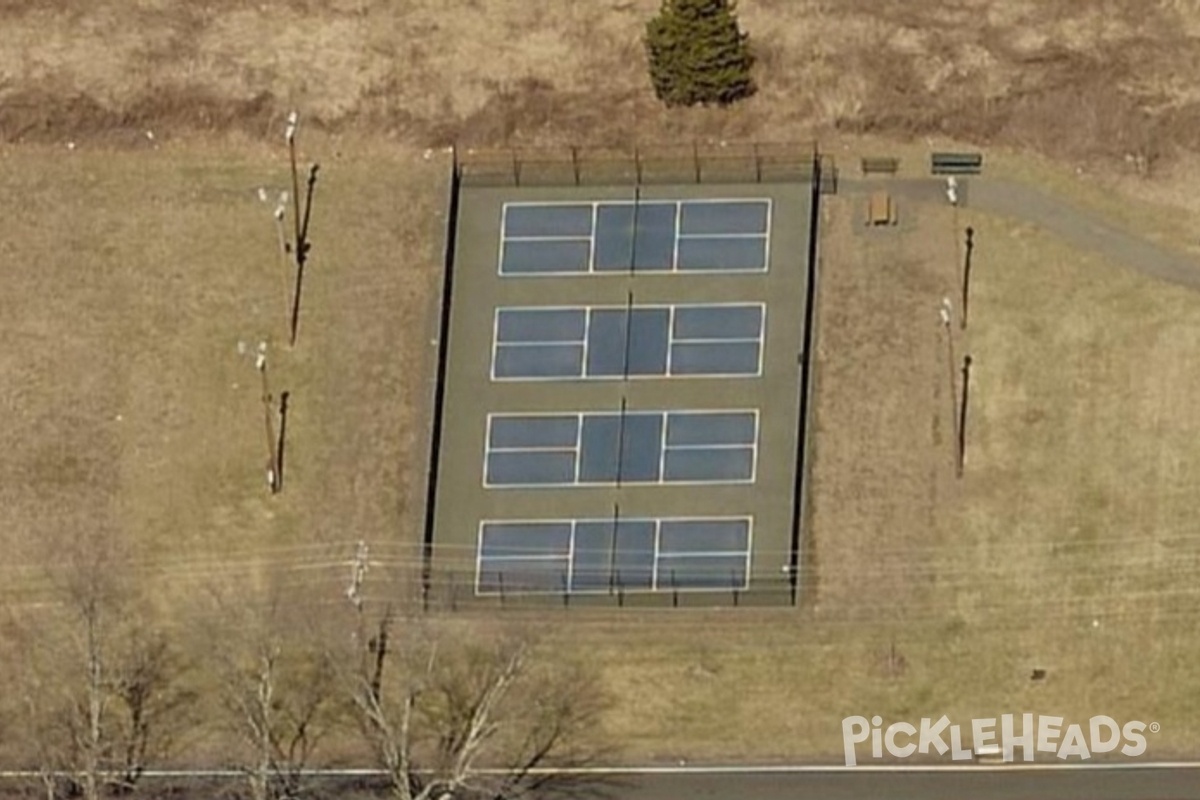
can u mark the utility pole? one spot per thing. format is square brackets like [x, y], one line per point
[962, 415]
[966, 284]
[260, 364]
[946, 313]
[284, 251]
[293, 122]
[300, 244]
[279, 445]
[358, 574]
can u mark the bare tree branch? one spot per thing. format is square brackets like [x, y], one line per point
[279, 699]
[469, 719]
[103, 696]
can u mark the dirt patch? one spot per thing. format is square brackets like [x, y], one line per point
[40, 115]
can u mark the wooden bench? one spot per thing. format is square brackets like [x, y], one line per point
[880, 164]
[956, 163]
[880, 210]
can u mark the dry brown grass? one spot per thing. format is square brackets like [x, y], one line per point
[133, 272]
[885, 458]
[132, 422]
[1075, 80]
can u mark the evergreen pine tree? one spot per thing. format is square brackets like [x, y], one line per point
[697, 53]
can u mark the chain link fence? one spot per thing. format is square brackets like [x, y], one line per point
[648, 165]
[449, 590]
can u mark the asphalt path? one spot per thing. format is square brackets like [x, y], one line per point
[1127, 781]
[971, 783]
[1075, 224]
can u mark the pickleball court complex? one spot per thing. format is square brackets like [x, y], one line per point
[621, 413]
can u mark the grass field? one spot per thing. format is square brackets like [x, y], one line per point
[134, 267]
[143, 269]
[134, 427]
[1078, 81]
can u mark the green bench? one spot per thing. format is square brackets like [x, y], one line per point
[956, 163]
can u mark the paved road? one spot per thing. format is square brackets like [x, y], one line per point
[1072, 223]
[1143, 781]
[1006, 783]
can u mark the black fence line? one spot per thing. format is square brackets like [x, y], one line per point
[439, 391]
[459, 590]
[807, 347]
[759, 162]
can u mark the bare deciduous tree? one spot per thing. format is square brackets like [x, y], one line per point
[152, 703]
[104, 694]
[454, 717]
[279, 696]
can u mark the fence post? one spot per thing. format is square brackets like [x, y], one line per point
[674, 591]
[620, 592]
[500, 581]
[516, 162]
[736, 589]
[566, 592]
[757, 164]
[696, 158]
[575, 162]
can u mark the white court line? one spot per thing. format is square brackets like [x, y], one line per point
[675, 244]
[697, 236]
[768, 234]
[574, 524]
[584, 372]
[581, 416]
[670, 340]
[548, 237]
[591, 238]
